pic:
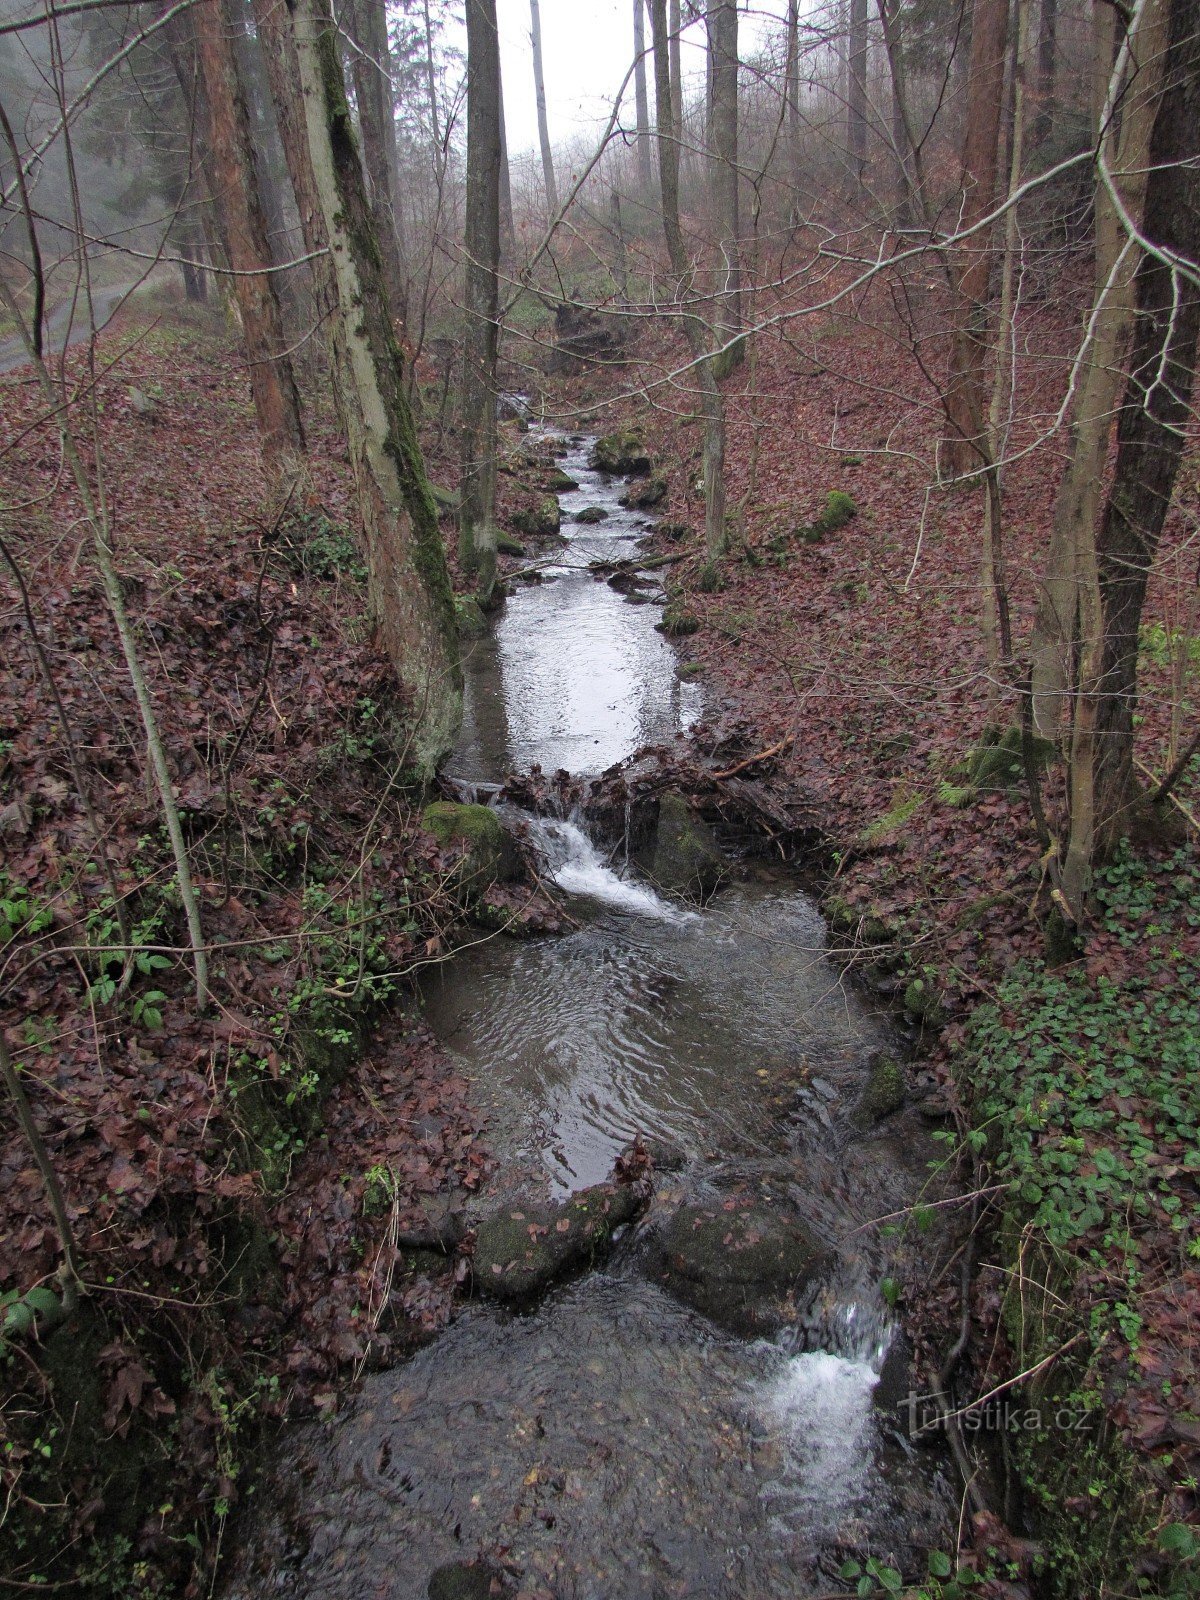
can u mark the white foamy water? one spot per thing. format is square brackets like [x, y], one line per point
[574, 864]
[821, 1405]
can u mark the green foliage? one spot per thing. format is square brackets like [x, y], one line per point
[1093, 1082]
[315, 547]
[21, 911]
[904, 806]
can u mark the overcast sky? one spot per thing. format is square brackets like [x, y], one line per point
[587, 48]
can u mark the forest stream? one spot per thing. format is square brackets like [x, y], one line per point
[611, 1443]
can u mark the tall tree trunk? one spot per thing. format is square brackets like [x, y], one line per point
[642, 98]
[1151, 432]
[435, 129]
[409, 587]
[1047, 70]
[907, 208]
[477, 516]
[676, 78]
[856, 105]
[712, 407]
[283, 79]
[508, 227]
[723, 147]
[539, 89]
[963, 447]
[791, 90]
[621, 254]
[372, 58]
[244, 235]
[1126, 151]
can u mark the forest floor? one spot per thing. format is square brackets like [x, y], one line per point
[237, 1191]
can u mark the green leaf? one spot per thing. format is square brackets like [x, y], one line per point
[940, 1564]
[1179, 1539]
[848, 1570]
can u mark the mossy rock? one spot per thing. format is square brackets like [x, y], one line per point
[623, 454]
[741, 1262]
[688, 670]
[674, 531]
[645, 493]
[683, 855]
[523, 1249]
[559, 482]
[506, 545]
[540, 521]
[884, 1094]
[678, 621]
[468, 613]
[591, 514]
[998, 761]
[839, 509]
[467, 1580]
[923, 1002]
[487, 853]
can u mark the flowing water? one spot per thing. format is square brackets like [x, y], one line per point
[612, 1444]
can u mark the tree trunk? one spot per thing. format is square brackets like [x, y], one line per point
[508, 227]
[243, 230]
[409, 587]
[907, 205]
[477, 516]
[963, 447]
[621, 254]
[856, 106]
[642, 98]
[1151, 432]
[791, 90]
[1069, 556]
[723, 146]
[539, 89]
[712, 408]
[372, 57]
[1047, 70]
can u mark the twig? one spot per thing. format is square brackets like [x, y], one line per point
[763, 755]
[69, 1272]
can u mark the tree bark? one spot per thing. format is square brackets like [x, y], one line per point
[723, 147]
[539, 89]
[283, 78]
[856, 106]
[712, 407]
[1151, 432]
[1047, 70]
[408, 584]
[791, 90]
[963, 447]
[244, 235]
[477, 515]
[508, 227]
[1069, 559]
[642, 99]
[372, 57]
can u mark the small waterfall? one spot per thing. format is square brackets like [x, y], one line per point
[574, 864]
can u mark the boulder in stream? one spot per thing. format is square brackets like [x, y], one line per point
[524, 1248]
[539, 521]
[642, 495]
[591, 514]
[884, 1093]
[487, 852]
[683, 856]
[738, 1260]
[623, 454]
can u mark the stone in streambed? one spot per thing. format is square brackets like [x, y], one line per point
[591, 514]
[623, 454]
[884, 1093]
[524, 1248]
[684, 856]
[742, 1266]
[644, 494]
[540, 521]
[487, 853]
[467, 1580]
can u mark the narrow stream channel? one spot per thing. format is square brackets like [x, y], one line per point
[612, 1444]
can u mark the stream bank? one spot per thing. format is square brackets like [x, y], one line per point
[712, 1409]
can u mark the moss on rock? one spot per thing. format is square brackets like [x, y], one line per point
[622, 453]
[644, 493]
[683, 855]
[883, 1094]
[523, 1249]
[538, 522]
[677, 621]
[487, 853]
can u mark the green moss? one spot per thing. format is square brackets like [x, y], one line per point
[488, 853]
[678, 621]
[902, 810]
[998, 762]
[472, 624]
[728, 360]
[884, 1092]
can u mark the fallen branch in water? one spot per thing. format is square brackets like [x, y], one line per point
[763, 755]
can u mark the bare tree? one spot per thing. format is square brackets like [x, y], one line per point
[723, 148]
[641, 98]
[539, 89]
[477, 513]
[856, 103]
[409, 586]
[372, 70]
[244, 235]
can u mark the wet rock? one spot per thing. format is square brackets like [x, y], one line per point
[649, 492]
[739, 1261]
[523, 1249]
[487, 853]
[559, 482]
[468, 1580]
[684, 856]
[923, 1002]
[623, 454]
[506, 545]
[677, 621]
[472, 624]
[440, 1228]
[540, 521]
[884, 1094]
[591, 514]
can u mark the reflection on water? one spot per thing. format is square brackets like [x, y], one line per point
[574, 675]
